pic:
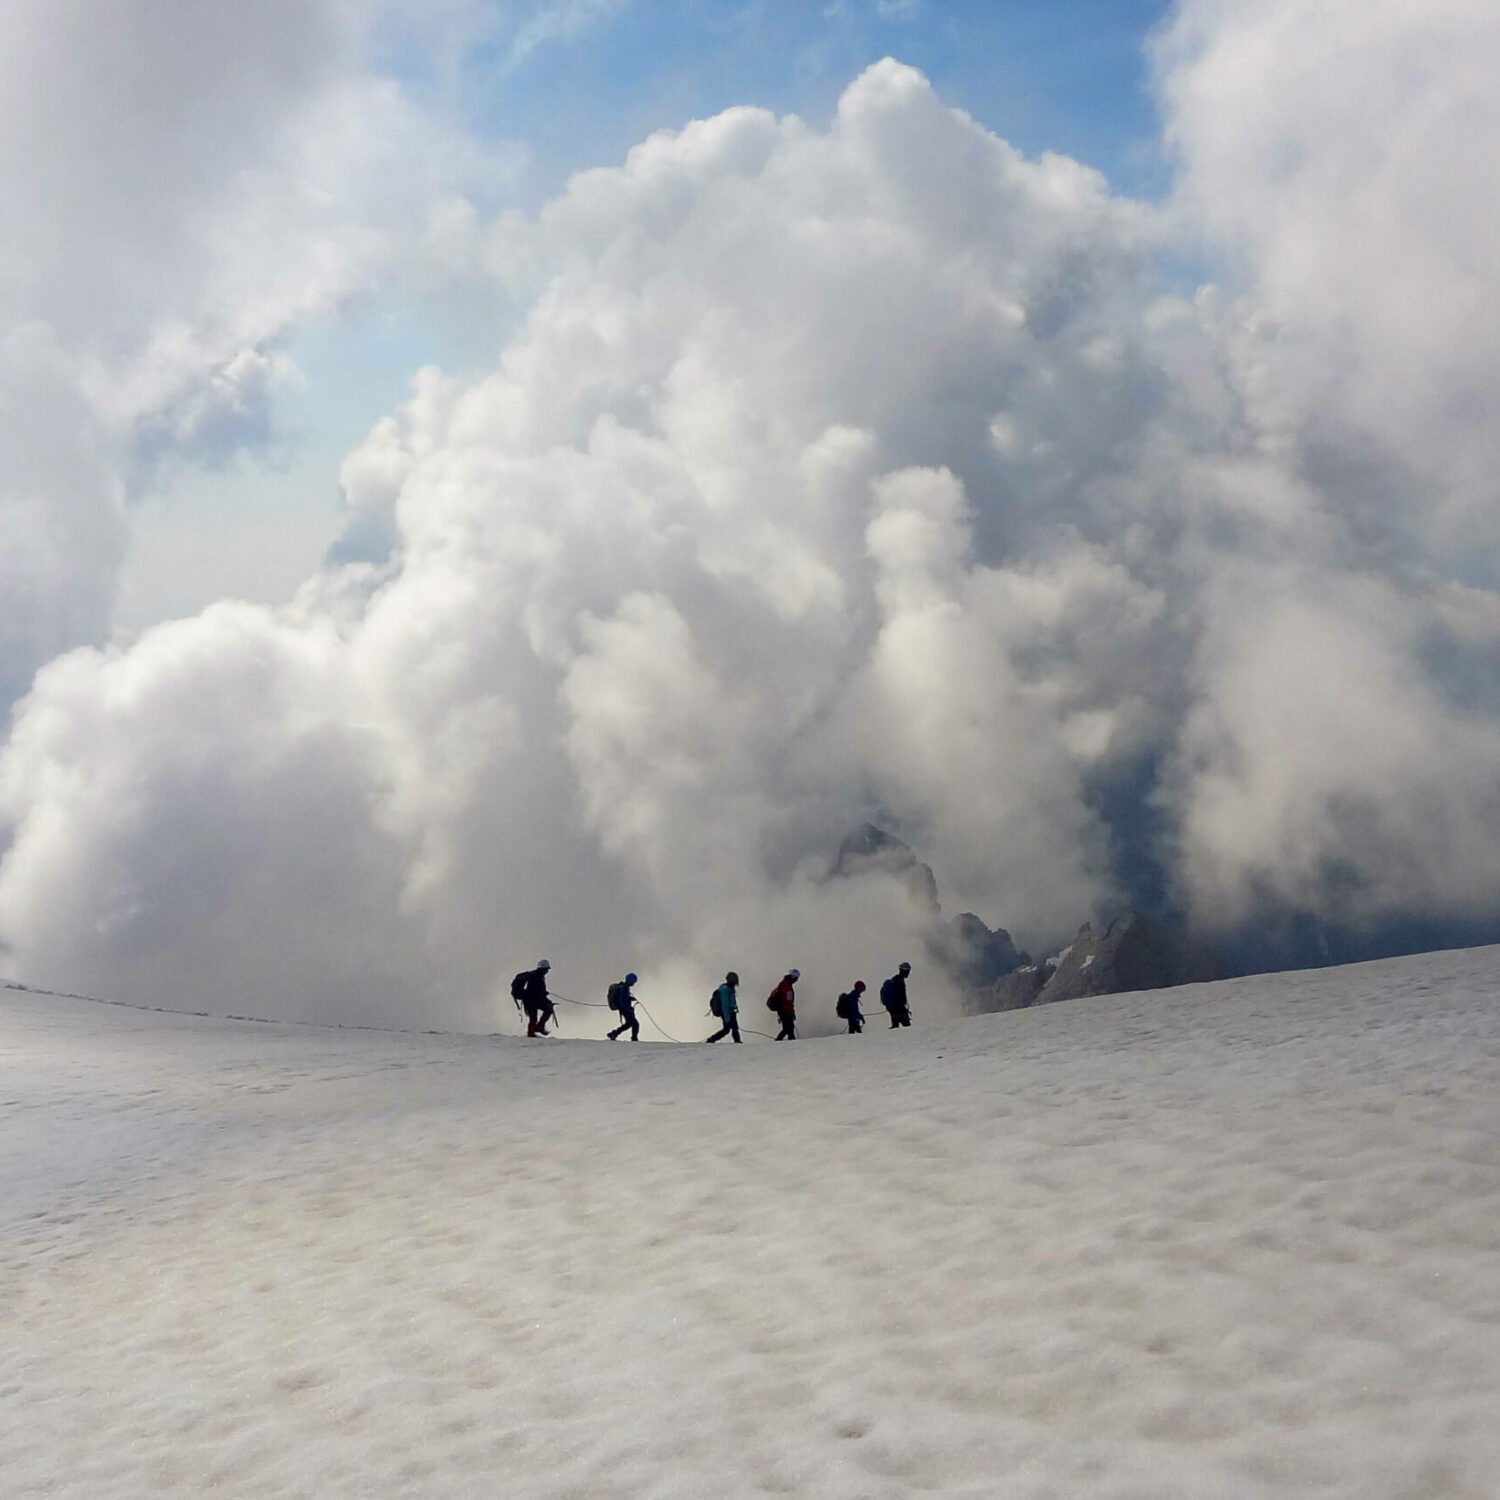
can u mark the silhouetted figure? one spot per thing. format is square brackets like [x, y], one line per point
[893, 997]
[848, 1008]
[621, 1000]
[726, 1006]
[529, 989]
[783, 1001]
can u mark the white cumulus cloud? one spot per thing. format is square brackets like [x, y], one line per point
[189, 181]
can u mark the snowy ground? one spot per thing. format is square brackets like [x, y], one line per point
[1230, 1240]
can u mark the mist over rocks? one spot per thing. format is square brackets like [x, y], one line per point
[872, 851]
[969, 952]
[838, 467]
[975, 954]
[1130, 952]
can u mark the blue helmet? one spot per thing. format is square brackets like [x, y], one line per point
[630, 979]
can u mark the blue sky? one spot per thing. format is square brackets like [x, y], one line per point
[1063, 75]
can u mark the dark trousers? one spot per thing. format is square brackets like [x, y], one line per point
[628, 1023]
[538, 1013]
[731, 1027]
[788, 1032]
[900, 1016]
[856, 1025]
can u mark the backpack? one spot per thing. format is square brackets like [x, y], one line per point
[888, 993]
[518, 986]
[716, 1005]
[616, 996]
[841, 1010]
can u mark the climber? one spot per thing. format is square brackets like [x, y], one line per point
[621, 1000]
[893, 997]
[783, 1002]
[848, 1009]
[726, 1006]
[529, 990]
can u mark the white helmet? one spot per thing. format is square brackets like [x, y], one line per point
[545, 964]
[794, 973]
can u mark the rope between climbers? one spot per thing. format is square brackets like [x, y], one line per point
[640, 1005]
[207, 1015]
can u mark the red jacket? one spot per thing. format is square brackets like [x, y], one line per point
[783, 998]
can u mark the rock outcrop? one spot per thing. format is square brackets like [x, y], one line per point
[1132, 953]
[1013, 991]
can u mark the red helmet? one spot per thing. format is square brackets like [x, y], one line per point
[859, 986]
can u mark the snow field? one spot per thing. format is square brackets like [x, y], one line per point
[1237, 1240]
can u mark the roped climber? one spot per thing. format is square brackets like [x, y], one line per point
[783, 1002]
[726, 1006]
[621, 1000]
[893, 997]
[529, 990]
[848, 1009]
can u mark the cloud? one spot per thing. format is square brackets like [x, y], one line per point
[1338, 757]
[1354, 207]
[192, 181]
[62, 531]
[834, 475]
[1328, 765]
[614, 667]
[561, 21]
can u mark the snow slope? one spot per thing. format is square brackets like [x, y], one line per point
[1232, 1240]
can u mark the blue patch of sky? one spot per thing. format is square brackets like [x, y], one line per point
[1059, 75]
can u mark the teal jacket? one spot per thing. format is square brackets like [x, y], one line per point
[729, 1005]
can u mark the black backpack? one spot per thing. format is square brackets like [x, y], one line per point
[518, 986]
[617, 993]
[841, 1010]
[716, 1005]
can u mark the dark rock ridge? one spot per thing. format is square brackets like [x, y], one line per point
[1134, 952]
